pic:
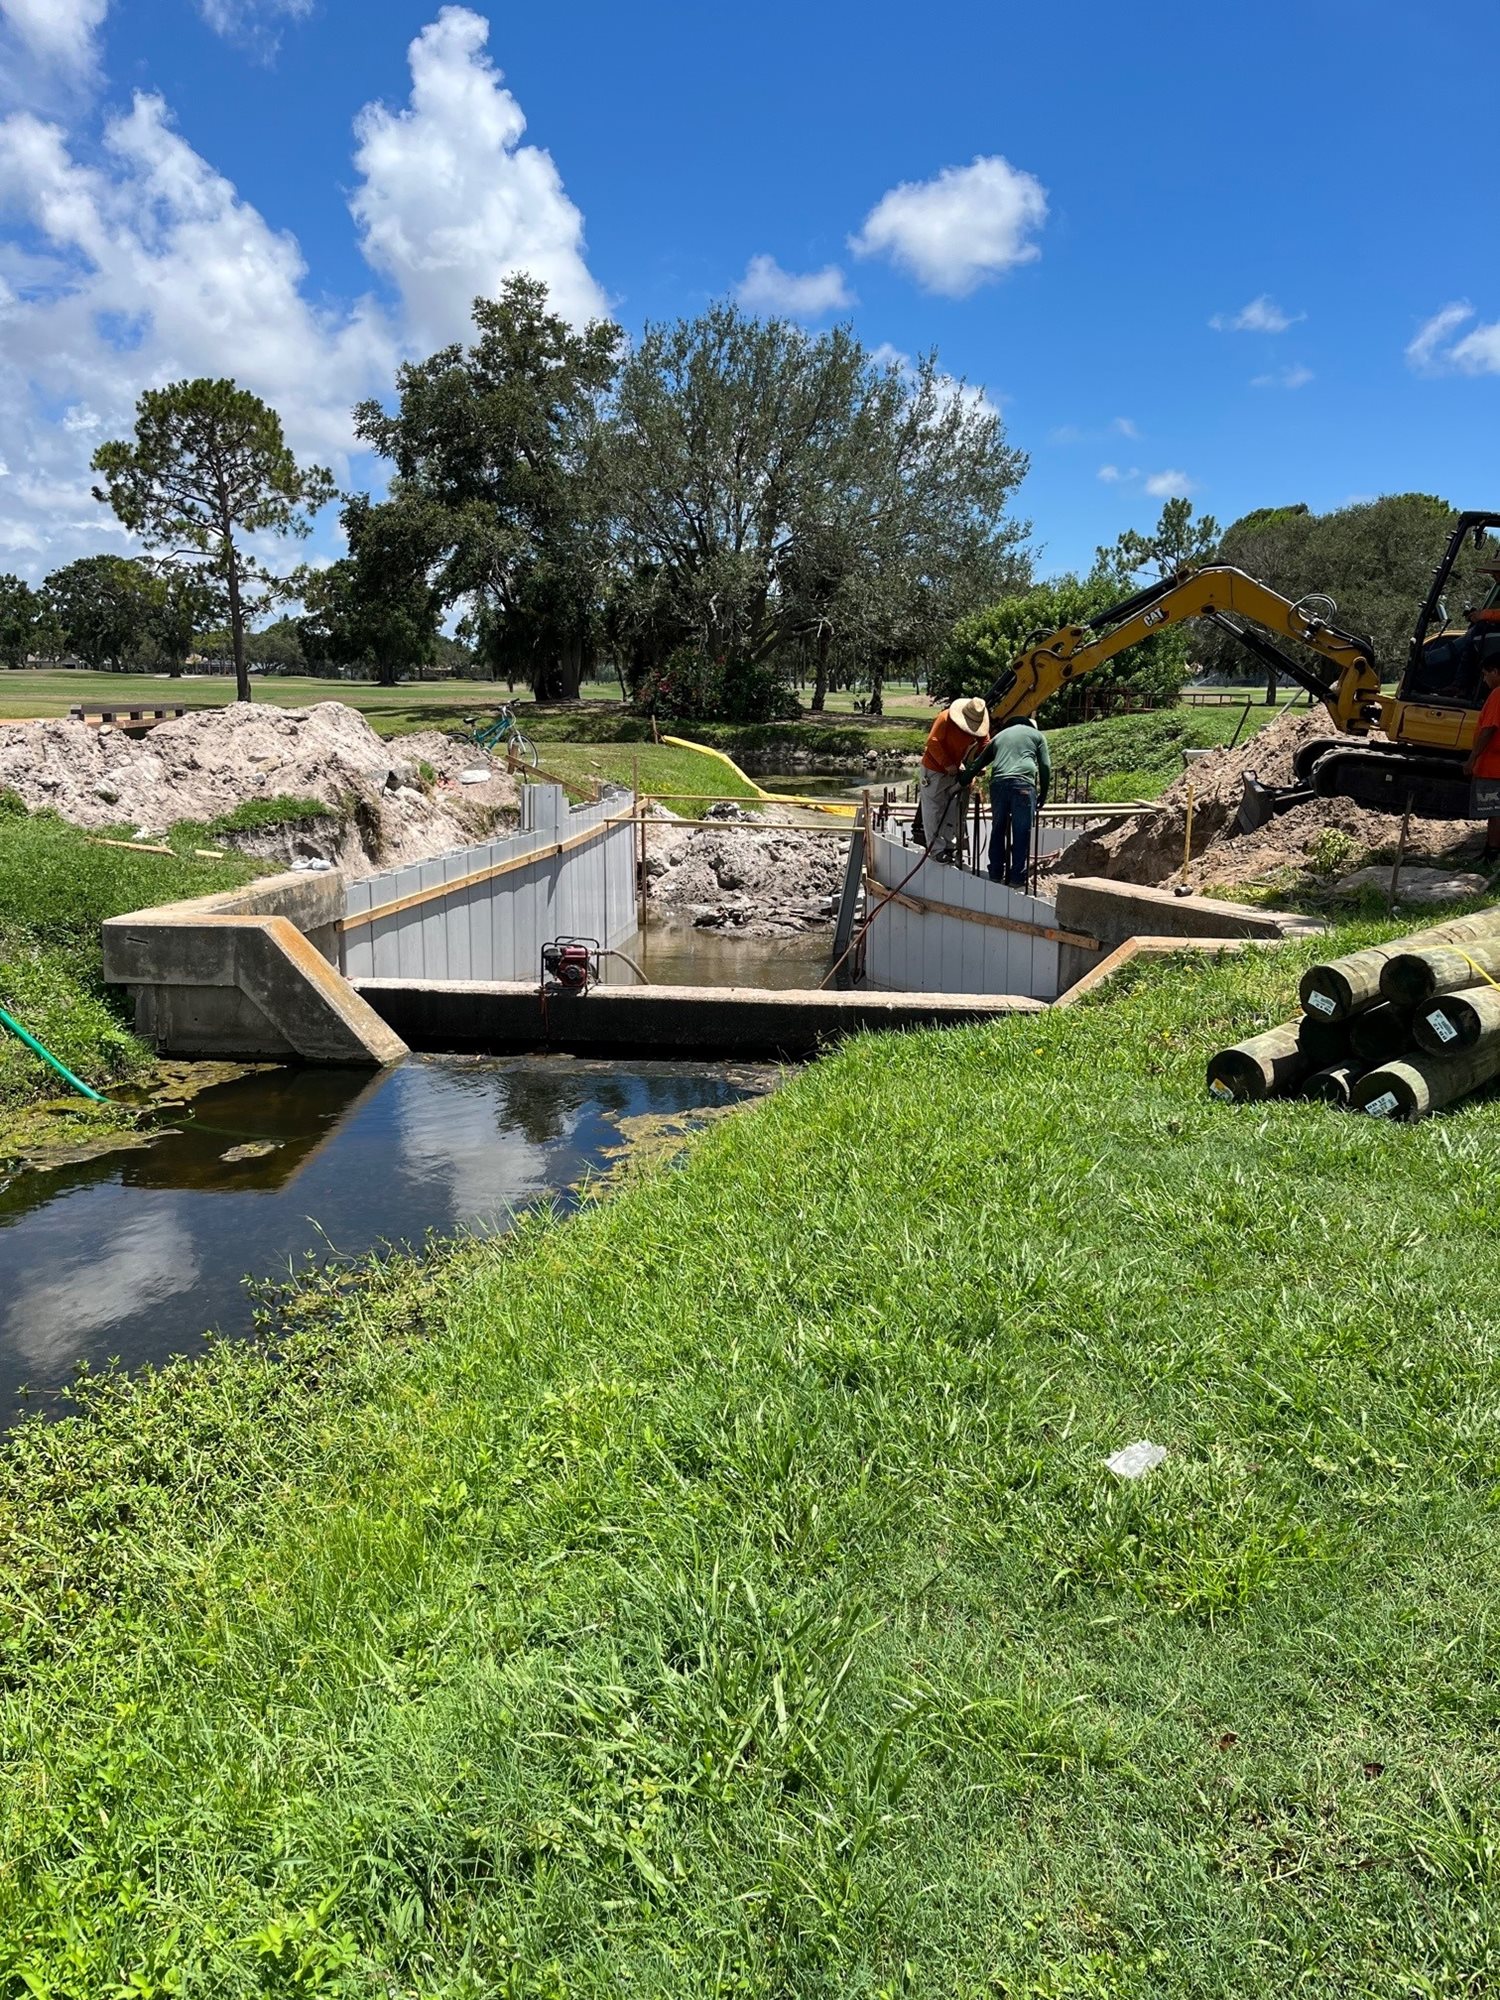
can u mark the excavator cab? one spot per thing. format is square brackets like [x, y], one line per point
[1426, 729]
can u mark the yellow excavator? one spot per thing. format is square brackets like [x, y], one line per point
[1392, 752]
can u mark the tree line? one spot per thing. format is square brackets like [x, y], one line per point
[724, 506]
[725, 511]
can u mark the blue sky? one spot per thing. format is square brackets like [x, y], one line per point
[1233, 251]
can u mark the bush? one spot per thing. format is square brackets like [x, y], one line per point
[692, 687]
[986, 645]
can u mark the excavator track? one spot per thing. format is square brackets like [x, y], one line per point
[1387, 778]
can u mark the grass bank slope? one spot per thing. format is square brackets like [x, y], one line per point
[1138, 756]
[57, 885]
[724, 1593]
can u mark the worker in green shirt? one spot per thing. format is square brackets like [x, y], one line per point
[1019, 780]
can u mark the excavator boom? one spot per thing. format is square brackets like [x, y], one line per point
[1349, 686]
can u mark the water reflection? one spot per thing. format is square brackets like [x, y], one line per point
[136, 1254]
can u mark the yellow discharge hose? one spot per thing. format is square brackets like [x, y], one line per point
[770, 798]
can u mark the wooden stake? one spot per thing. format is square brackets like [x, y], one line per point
[1423, 975]
[1187, 836]
[1400, 853]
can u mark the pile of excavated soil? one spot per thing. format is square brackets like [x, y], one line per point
[206, 764]
[749, 877]
[1149, 849]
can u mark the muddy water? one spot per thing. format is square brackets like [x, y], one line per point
[134, 1255]
[684, 955]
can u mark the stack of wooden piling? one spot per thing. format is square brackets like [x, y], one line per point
[1397, 1031]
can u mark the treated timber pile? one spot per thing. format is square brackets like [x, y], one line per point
[1398, 1030]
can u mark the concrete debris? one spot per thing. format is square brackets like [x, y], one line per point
[1414, 885]
[1322, 835]
[204, 765]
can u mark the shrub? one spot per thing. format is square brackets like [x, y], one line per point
[691, 686]
[986, 645]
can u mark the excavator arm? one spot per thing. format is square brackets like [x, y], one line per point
[1348, 684]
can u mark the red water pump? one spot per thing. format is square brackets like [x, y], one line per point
[570, 964]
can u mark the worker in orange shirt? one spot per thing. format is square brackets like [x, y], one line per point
[1484, 758]
[962, 730]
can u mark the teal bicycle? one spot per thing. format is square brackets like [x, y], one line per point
[502, 733]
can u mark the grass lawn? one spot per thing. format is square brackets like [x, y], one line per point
[57, 885]
[723, 1593]
[663, 769]
[1138, 756]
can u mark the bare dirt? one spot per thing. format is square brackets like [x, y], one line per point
[205, 765]
[744, 875]
[1150, 849]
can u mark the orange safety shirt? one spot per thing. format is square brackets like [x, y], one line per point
[1487, 765]
[948, 745]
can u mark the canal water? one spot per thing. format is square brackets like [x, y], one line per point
[135, 1254]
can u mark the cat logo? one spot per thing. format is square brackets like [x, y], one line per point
[1153, 617]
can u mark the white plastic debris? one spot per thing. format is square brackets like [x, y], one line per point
[474, 776]
[1135, 1460]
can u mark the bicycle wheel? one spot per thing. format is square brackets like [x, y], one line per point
[525, 750]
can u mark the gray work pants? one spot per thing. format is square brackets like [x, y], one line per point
[940, 792]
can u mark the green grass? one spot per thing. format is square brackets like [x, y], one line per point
[1138, 756]
[283, 809]
[723, 1593]
[57, 885]
[663, 769]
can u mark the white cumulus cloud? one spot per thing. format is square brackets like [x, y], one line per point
[47, 42]
[450, 202]
[127, 261]
[1125, 427]
[766, 288]
[1117, 475]
[1433, 350]
[148, 267]
[1170, 485]
[1293, 377]
[966, 225]
[1262, 315]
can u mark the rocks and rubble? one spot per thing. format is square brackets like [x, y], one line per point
[1327, 835]
[770, 882]
[204, 765]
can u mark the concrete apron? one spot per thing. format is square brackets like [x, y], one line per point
[509, 1016]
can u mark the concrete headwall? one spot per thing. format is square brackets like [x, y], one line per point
[486, 911]
[1114, 912]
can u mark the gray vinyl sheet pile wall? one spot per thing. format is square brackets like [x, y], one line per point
[927, 951]
[494, 927]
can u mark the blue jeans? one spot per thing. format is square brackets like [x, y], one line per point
[1013, 806]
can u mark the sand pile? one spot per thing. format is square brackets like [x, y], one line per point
[1149, 849]
[766, 882]
[205, 765]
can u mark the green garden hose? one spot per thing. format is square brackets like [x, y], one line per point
[47, 1056]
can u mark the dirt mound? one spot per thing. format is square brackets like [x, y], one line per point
[769, 881]
[1330, 834]
[203, 766]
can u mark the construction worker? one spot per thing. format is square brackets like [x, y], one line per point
[1019, 782]
[959, 733]
[1484, 759]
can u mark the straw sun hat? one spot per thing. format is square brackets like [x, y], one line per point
[970, 713]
